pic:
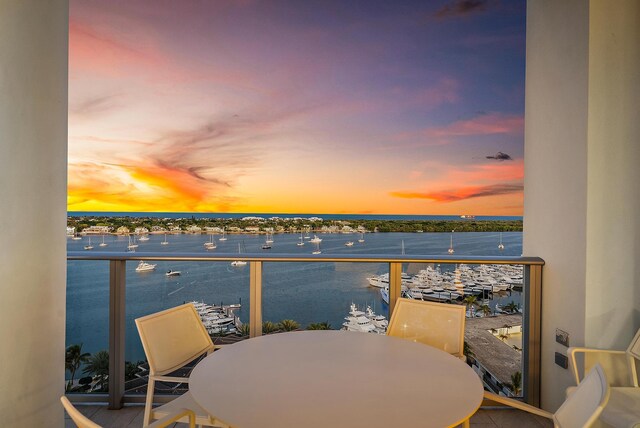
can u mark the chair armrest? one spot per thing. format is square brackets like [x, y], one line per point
[573, 351]
[175, 417]
[517, 404]
[171, 379]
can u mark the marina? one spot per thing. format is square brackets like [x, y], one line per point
[304, 292]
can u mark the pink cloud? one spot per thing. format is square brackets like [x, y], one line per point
[488, 124]
[458, 194]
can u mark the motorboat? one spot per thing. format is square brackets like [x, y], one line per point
[145, 267]
[143, 238]
[173, 273]
[316, 240]
[348, 244]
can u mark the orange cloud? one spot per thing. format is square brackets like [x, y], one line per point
[463, 193]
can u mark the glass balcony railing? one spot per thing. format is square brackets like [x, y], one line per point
[271, 293]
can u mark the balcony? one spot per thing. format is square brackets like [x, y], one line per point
[494, 362]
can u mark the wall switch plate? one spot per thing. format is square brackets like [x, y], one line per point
[562, 360]
[562, 337]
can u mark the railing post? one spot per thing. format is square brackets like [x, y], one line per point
[532, 333]
[395, 284]
[255, 298]
[117, 282]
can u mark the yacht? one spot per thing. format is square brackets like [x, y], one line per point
[89, 246]
[211, 245]
[132, 244]
[239, 263]
[173, 273]
[357, 321]
[143, 238]
[379, 321]
[348, 244]
[145, 267]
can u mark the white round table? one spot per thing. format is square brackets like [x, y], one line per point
[325, 379]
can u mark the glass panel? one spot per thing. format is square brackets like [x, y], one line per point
[322, 295]
[219, 291]
[87, 329]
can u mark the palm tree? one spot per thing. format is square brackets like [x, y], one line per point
[516, 383]
[470, 301]
[98, 366]
[319, 326]
[289, 325]
[269, 327]
[245, 330]
[73, 359]
[512, 307]
[485, 309]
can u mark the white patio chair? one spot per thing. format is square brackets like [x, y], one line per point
[171, 339]
[623, 408]
[82, 421]
[439, 325]
[580, 410]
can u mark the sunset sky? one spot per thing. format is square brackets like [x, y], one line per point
[297, 106]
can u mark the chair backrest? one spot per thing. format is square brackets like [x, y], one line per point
[439, 325]
[585, 403]
[78, 418]
[172, 338]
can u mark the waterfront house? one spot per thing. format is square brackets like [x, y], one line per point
[581, 205]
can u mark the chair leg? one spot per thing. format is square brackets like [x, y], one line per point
[148, 406]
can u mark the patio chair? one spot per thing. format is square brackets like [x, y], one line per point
[171, 339]
[82, 421]
[580, 409]
[439, 325]
[623, 408]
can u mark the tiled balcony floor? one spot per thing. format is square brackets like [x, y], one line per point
[131, 417]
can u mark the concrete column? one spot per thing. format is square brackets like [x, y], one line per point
[581, 176]
[33, 165]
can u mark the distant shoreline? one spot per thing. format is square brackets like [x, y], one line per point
[125, 224]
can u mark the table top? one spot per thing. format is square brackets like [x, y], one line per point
[335, 378]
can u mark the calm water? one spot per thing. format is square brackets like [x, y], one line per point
[305, 292]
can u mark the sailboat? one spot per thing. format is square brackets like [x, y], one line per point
[239, 263]
[306, 234]
[402, 247]
[132, 244]
[165, 242]
[450, 250]
[500, 245]
[269, 239]
[361, 240]
[301, 243]
[317, 250]
[211, 245]
[103, 244]
[89, 247]
[224, 236]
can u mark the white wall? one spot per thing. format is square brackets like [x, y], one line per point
[613, 207]
[33, 159]
[581, 187]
